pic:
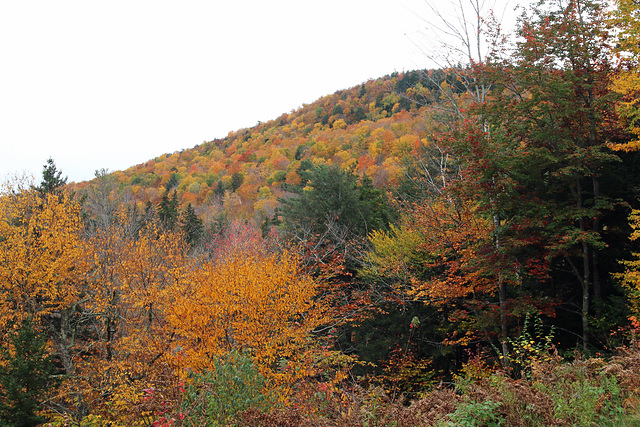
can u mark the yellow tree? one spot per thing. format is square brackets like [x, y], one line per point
[43, 263]
[630, 278]
[442, 253]
[41, 254]
[626, 17]
[434, 250]
[250, 299]
[132, 273]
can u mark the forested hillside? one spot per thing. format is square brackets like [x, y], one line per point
[373, 129]
[437, 247]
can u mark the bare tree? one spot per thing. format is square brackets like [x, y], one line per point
[457, 35]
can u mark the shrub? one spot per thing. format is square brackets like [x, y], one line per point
[214, 397]
[533, 345]
[471, 414]
[580, 391]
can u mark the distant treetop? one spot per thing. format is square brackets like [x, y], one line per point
[51, 178]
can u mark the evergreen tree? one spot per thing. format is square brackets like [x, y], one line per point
[168, 209]
[191, 225]
[236, 181]
[335, 200]
[51, 178]
[25, 375]
[332, 215]
[335, 209]
[172, 182]
[220, 189]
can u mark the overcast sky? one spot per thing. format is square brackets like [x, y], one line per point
[110, 84]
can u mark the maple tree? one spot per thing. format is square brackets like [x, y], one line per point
[439, 259]
[442, 254]
[43, 263]
[531, 155]
[630, 278]
[93, 289]
[41, 253]
[46, 266]
[121, 345]
[532, 152]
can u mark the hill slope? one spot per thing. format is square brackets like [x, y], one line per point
[372, 128]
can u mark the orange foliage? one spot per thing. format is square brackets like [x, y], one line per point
[42, 256]
[434, 251]
[245, 298]
[453, 233]
[150, 310]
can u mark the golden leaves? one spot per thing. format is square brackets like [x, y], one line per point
[42, 256]
[133, 308]
[260, 302]
[627, 82]
[630, 278]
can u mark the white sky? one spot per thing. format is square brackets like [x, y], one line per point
[110, 84]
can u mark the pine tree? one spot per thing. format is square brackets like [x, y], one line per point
[51, 178]
[25, 376]
[191, 225]
[172, 182]
[335, 202]
[236, 181]
[168, 209]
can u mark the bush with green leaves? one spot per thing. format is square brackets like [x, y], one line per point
[533, 345]
[476, 414]
[581, 395]
[213, 397]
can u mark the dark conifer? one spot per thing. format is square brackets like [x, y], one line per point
[191, 225]
[51, 178]
[25, 375]
[168, 209]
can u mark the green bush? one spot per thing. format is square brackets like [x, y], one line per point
[472, 414]
[214, 397]
[582, 399]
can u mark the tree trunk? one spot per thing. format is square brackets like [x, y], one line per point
[597, 287]
[502, 291]
[586, 276]
[502, 296]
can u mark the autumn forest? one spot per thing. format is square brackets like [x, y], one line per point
[455, 246]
